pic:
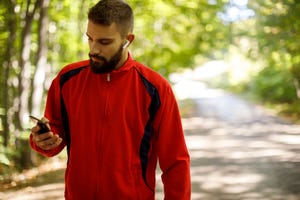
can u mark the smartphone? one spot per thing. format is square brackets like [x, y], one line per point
[43, 126]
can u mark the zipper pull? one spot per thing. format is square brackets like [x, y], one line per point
[108, 77]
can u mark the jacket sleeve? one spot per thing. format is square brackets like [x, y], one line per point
[52, 113]
[174, 159]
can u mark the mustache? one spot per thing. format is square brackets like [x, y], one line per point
[97, 56]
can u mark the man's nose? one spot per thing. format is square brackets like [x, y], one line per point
[95, 48]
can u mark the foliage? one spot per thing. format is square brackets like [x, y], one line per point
[270, 39]
[278, 87]
[277, 43]
[169, 34]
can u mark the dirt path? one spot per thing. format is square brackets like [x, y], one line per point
[45, 182]
[240, 151]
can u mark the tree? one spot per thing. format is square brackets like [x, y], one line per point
[41, 64]
[8, 53]
[278, 42]
[18, 71]
[25, 62]
[178, 34]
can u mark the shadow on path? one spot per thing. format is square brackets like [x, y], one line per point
[239, 151]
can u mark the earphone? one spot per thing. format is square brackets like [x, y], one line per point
[126, 44]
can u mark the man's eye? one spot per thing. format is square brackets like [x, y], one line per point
[105, 42]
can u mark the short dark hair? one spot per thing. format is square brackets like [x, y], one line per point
[106, 12]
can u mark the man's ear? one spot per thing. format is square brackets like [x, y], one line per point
[130, 37]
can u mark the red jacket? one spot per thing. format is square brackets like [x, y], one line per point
[116, 128]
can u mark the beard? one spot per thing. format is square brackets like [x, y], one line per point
[107, 66]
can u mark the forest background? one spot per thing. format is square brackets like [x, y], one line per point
[39, 37]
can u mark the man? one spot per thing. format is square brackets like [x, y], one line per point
[117, 117]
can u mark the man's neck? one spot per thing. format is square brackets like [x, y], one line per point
[123, 59]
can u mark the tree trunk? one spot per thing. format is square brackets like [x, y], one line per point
[81, 28]
[12, 29]
[25, 65]
[297, 87]
[40, 71]
[25, 84]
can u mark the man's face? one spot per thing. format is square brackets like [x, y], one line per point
[105, 45]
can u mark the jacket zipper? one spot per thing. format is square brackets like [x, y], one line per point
[106, 89]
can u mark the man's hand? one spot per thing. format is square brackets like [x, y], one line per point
[45, 141]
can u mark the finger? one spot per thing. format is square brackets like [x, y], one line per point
[54, 143]
[49, 143]
[41, 137]
[52, 140]
[45, 120]
[35, 129]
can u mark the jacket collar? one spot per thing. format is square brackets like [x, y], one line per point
[126, 66]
